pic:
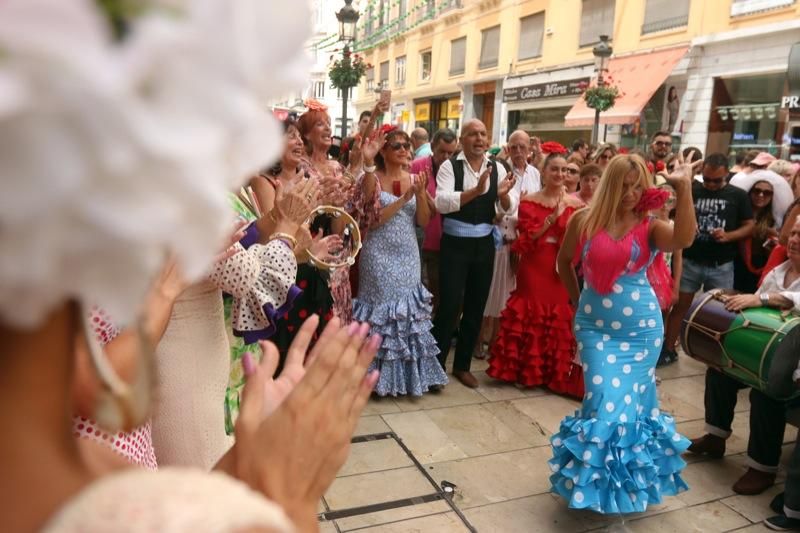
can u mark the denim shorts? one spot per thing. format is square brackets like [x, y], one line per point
[696, 275]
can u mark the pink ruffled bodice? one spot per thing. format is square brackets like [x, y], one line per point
[604, 259]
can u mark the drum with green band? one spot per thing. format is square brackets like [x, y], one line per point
[758, 346]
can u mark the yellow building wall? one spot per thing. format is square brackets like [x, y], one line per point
[560, 42]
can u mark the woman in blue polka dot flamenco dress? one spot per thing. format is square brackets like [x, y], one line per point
[619, 453]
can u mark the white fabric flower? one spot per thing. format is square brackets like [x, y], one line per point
[115, 153]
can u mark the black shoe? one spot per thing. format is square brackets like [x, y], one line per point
[666, 358]
[782, 523]
[777, 504]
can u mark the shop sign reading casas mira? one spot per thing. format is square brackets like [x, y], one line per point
[553, 89]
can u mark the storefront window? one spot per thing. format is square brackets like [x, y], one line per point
[547, 124]
[746, 114]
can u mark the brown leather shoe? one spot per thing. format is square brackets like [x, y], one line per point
[466, 377]
[754, 482]
[710, 445]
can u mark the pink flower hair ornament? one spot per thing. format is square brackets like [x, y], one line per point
[315, 105]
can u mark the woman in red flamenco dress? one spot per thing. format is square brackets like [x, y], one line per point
[535, 345]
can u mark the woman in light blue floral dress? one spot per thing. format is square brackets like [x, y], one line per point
[391, 296]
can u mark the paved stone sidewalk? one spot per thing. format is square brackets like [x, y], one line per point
[492, 443]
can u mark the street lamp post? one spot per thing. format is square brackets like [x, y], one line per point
[602, 51]
[348, 17]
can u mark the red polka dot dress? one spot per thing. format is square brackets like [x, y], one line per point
[135, 446]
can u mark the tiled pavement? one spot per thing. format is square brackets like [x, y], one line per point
[492, 443]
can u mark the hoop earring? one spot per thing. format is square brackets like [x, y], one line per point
[120, 406]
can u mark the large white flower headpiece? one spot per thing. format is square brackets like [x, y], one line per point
[115, 152]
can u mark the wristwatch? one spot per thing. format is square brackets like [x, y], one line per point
[764, 297]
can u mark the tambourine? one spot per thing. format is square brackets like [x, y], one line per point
[351, 239]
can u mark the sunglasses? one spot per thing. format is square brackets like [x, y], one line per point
[573, 171]
[663, 143]
[766, 193]
[712, 181]
[605, 157]
[398, 145]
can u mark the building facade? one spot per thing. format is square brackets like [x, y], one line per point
[323, 47]
[711, 72]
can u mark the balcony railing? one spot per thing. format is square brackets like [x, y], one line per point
[665, 24]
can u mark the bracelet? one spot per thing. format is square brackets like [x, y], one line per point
[349, 175]
[285, 237]
[370, 170]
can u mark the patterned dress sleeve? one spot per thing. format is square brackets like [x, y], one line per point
[261, 281]
[366, 210]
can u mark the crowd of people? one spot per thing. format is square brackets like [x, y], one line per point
[570, 269]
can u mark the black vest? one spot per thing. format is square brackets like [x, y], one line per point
[481, 210]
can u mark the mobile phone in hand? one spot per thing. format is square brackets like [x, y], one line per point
[396, 188]
[385, 98]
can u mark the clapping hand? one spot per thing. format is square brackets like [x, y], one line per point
[294, 208]
[419, 183]
[483, 178]
[230, 245]
[506, 185]
[293, 433]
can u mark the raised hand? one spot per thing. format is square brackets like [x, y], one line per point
[372, 146]
[684, 171]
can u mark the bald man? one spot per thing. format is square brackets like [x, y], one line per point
[470, 192]
[419, 141]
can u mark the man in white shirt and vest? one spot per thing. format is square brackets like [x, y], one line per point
[470, 192]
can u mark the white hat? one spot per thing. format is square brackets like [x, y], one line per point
[782, 196]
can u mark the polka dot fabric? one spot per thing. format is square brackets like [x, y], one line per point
[619, 453]
[136, 446]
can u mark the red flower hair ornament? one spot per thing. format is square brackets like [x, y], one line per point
[386, 129]
[652, 198]
[553, 147]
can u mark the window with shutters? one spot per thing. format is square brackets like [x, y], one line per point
[490, 47]
[349, 93]
[425, 61]
[597, 18]
[385, 75]
[371, 79]
[531, 32]
[319, 89]
[383, 13]
[402, 13]
[662, 15]
[400, 71]
[745, 7]
[458, 50]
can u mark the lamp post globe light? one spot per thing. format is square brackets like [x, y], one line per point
[347, 17]
[602, 51]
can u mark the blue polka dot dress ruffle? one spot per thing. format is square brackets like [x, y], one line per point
[618, 453]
